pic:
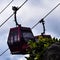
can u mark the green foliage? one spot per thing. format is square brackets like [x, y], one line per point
[38, 48]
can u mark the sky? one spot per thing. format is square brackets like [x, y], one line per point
[28, 16]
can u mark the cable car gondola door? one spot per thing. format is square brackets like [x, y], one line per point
[14, 40]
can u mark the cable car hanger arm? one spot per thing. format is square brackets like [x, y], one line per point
[15, 9]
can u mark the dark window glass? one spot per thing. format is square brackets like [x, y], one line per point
[15, 38]
[11, 38]
[27, 35]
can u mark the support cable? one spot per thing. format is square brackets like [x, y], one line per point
[6, 20]
[12, 14]
[6, 6]
[46, 15]
[4, 52]
[42, 20]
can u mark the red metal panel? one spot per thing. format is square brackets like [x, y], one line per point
[19, 32]
[19, 46]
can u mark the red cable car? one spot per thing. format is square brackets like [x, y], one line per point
[18, 38]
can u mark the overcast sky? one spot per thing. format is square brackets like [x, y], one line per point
[28, 16]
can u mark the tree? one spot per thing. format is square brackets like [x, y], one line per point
[37, 49]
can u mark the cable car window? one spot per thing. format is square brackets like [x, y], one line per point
[15, 38]
[18, 38]
[27, 35]
[11, 39]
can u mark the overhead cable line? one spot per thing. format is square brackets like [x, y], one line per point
[12, 14]
[4, 52]
[45, 15]
[6, 20]
[42, 20]
[6, 6]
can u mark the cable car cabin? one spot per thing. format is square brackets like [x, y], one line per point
[44, 36]
[18, 38]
